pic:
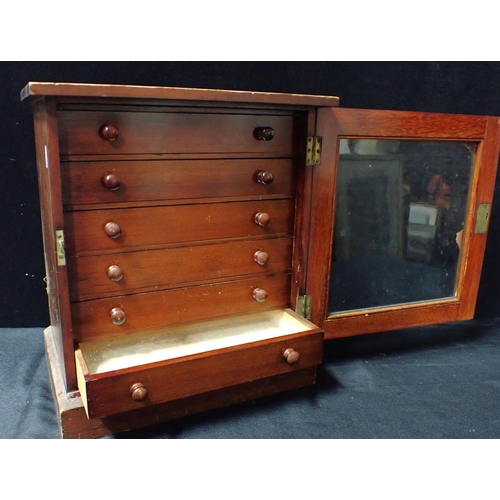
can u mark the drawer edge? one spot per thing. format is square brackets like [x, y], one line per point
[81, 377]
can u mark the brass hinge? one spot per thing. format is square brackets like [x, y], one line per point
[304, 306]
[313, 155]
[60, 251]
[482, 218]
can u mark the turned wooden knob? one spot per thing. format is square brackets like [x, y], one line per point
[262, 219]
[260, 257]
[115, 273]
[265, 177]
[259, 294]
[138, 392]
[264, 133]
[117, 316]
[109, 132]
[113, 230]
[111, 181]
[291, 356]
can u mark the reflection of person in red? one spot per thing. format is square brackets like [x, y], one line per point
[439, 191]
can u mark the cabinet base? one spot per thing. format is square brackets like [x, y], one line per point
[74, 424]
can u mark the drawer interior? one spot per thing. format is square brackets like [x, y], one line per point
[119, 353]
[128, 351]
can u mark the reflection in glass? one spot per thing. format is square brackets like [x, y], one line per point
[400, 210]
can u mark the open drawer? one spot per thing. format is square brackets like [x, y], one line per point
[134, 371]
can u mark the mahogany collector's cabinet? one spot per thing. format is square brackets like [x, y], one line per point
[200, 245]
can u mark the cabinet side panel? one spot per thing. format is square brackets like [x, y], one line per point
[49, 182]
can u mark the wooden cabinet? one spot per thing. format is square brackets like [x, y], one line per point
[200, 245]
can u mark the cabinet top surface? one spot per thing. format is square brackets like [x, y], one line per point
[174, 93]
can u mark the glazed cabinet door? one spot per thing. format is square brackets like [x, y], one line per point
[400, 208]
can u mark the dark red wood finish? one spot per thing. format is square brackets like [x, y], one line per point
[90, 183]
[141, 92]
[104, 275]
[49, 182]
[167, 132]
[154, 310]
[118, 230]
[182, 205]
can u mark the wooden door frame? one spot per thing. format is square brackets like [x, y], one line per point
[333, 123]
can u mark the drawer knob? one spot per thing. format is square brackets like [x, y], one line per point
[262, 219]
[291, 356]
[109, 132]
[118, 316]
[264, 133]
[115, 273]
[260, 295]
[265, 177]
[138, 392]
[113, 230]
[261, 257]
[111, 181]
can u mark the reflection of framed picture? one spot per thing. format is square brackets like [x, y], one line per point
[369, 212]
[423, 219]
[423, 213]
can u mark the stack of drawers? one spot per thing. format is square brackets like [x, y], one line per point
[175, 216]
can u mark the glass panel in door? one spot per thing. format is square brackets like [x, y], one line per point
[400, 208]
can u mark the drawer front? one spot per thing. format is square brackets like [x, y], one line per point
[93, 319]
[80, 132]
[85, 231]
[108, 394]
[86, 183]
[117, 274]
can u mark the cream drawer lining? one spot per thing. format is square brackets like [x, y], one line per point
[139, 349]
